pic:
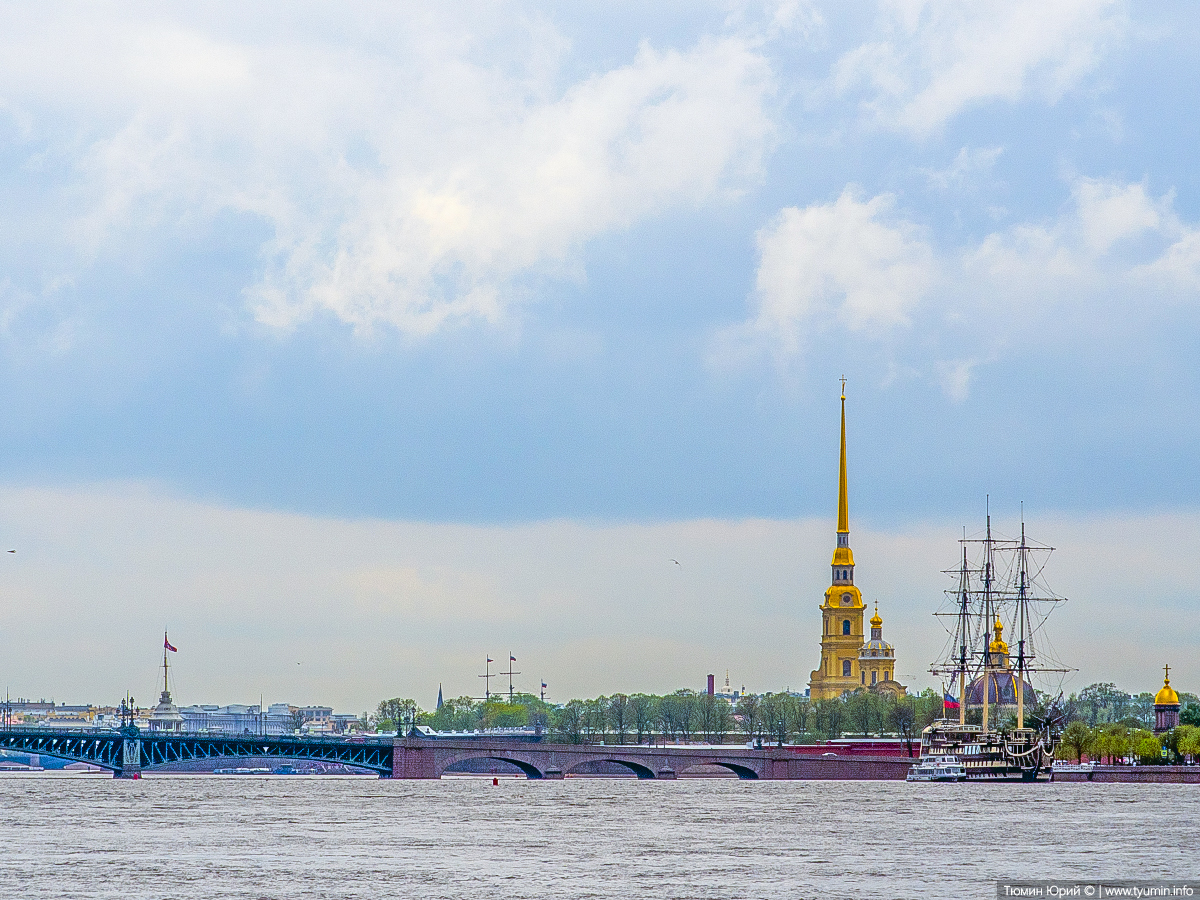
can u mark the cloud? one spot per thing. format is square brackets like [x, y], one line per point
[1110, 231]
[933, 60]
[968, 165]
[410, 181]
[848, 264]
[945, 312]
[374, 608]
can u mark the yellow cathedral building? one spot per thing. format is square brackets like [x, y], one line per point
[848, 660]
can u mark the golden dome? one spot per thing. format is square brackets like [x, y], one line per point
[876, 622]
[1167, 696]
[998, 645]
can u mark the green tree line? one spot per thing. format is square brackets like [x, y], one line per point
[1115, 743]
[690, 716]
[684, 715]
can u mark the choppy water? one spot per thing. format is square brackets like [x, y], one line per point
[279, 837]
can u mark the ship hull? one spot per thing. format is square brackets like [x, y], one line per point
[1022, 755]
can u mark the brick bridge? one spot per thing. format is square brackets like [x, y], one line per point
[423, 758]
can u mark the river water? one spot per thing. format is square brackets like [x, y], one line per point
[66, 836]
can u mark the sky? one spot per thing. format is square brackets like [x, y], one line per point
[350, 344]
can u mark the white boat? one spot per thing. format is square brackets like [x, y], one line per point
[937, 768]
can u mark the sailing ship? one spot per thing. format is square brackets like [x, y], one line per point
[1017, 731]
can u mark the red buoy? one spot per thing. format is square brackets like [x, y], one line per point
[495, 781]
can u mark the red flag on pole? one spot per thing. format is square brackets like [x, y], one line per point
[167, 645]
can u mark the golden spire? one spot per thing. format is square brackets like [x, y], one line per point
[843, 504]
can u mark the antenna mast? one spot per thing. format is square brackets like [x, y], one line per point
[487, 681]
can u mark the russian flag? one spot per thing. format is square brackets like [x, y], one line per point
[949, 702]
[167, 645]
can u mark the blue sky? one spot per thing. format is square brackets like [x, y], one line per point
[502, 264]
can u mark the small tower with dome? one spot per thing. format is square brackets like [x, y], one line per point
[166, 716]
[1166, 705]
[877, 661]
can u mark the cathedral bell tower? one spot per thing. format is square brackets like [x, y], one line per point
[842, 611]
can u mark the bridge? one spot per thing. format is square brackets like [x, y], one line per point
[130, 751]
[431, 758]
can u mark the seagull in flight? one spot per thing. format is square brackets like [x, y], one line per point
[676, 562]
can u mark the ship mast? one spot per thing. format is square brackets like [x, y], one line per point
[988, 616]
[964, 626]
[165, 690]
[1003, 580]
[1022, 621]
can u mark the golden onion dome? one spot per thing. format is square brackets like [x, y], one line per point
[1166, 696]
[876, 622]
[998, 645]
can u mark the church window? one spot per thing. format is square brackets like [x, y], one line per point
[846, 668]
[885, 676]
[864, 675]
[845, 626]
[874, 675]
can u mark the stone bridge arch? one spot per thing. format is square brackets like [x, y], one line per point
[523, 760]
[641, 768]
[740, 769]
[530, 769]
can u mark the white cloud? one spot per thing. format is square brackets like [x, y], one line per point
[377, 608]
[846, 264]
[1112, 232]
[968, 165]
[1112, 251]
[410, 179]
[932, 59]
[667, 129]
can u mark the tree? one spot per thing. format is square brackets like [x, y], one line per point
[1146, 747]
[830, 714]
[748, 715]
[801, 710]
[775, 715]
[457, 714]
[641, 707]
[499, 714]
[394, 714]
[687, 711]
[1076, 741]
[665, 713]
[1187, 741]
[595, 719]
[1142, 709]
[567, 722]
[858, 708]
[1190, 714]
[619, 715]
[1103, 702]
[715, 719]
[1111, 741]
[902, 718]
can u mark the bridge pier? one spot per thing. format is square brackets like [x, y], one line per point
[411, 758]
[666, 774]
[131, 759]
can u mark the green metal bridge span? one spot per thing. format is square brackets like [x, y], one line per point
[130, 751]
